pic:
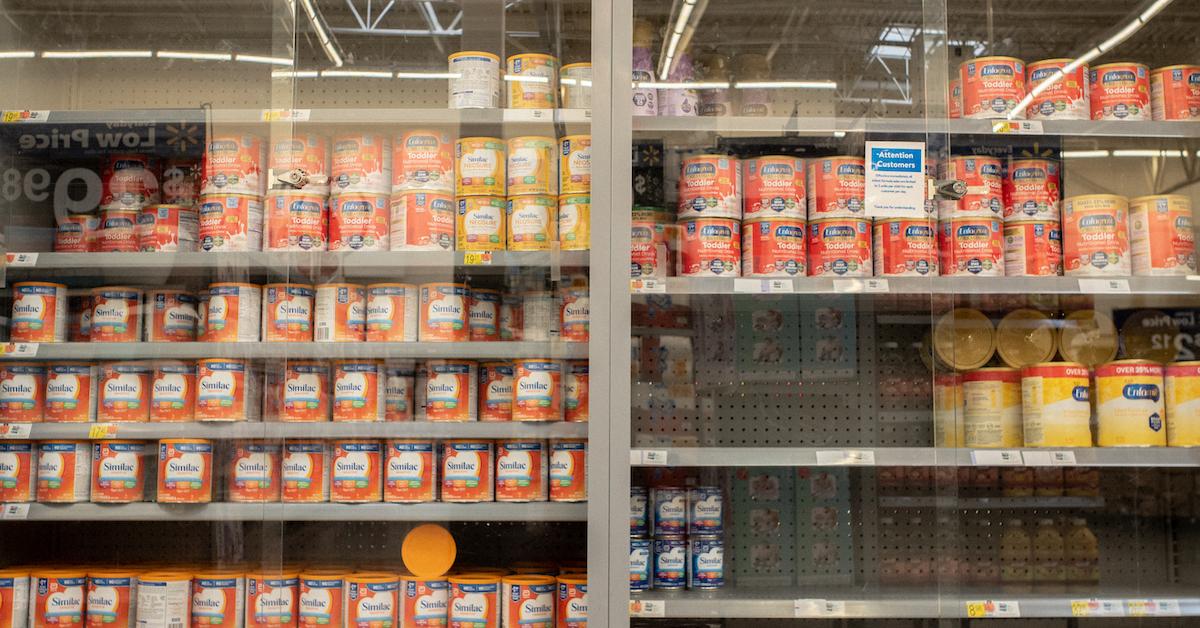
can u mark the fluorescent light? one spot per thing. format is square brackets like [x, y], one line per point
[785, 85]
[97, 54]
[427, 75]
[683, 85]
[1139, 152]
[1153, 10]
[17, 54]
[323, 35]
[356, 73]
[199, 56]
[1121, 36]
[261, 59]
[517, 78]
[1084, 154]
[294, 74]
[684, 14]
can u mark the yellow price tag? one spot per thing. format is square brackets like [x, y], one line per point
[976, 609]
[102, 430]
[1080, 608]
[477, 258]
[11, 116]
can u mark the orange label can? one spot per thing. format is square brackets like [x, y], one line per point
[392, 312]
[839, 247]
[233, 163]
[118, 232]
[231, 222]
[479, 223]
[341, 314]
[467, 471]
[451, 390]
[357, 393]
[111, 598]
[423, 602]
[710, 247]
[483, 315]
[321, 595]
[537, 390]
[521, 471]
[568, 470]
[1162, 240]
[836, 187]
[905, 247]
[495, 391]
[443, 313]
[356, 471]
[22, 392]
[302, 395]
[1032, 248]
[572, 608]
[232, 314]
[422, 220]
[1032, 189]
[173, 391]
[18, 471]
[253, 472]
[410, 471]
[171, 316]
[1175, 92]
[992, 87]
[529, 601]
[474, 601]
[362, 162]
[774, 187]
[972, 246]
[76, 233]
[574, 321]
[116, 314]
[288, 312]
[1067, 97]
[305, 471]
[423, 160]
[63, 468]
[185, 471]
[296, 221]
[39, 312]
[1121, 91]
[985, 187]
[575, 394]
[774, 247]
[118, 471]
[168, 228]
[358, 221]
[710, 186]
[398, 391]
[272, 600]
[217, 599]
[1096, 235]
[57, 598]
[124, 392]
[226, 390]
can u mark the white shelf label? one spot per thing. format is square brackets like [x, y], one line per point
[996, 457]
[1097, 608]
[860, 285]
[18, 260]
[654, 457]
[635, 457]
[648, 286]
[286, 115]
[818, 608]
[763, 286]
[1049, 458]
[647, 608]
[19, 349]
[842, 457]
[15, 430]
[1104, 286]
[24, 117]
[14, 511]
[1153, 608]
[993, 608]
[1017, 127]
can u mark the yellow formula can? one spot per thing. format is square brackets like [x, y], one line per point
[479, 164]
[532, 223]
[1129, 404]
[481, 223]
[1054, 405]
[992, 408]
[532, 81]
[575, 164]
[1183, 404]
[575, 222]
[532, 165]
[948, 424]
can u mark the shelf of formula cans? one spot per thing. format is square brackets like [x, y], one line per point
[1185, 285]
[322, 116]
[651, 456]
[912, 126]
[380, 511]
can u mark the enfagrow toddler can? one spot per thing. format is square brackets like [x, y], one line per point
[1096, 235]
[836, 187]
[233, 165]
[992, 87]
[972, 246]
[1129, 404]
[710, 247]
[1067, 98]
[774, 186]
[296, 221]
[1120, 91]
[1032, 190]
[358, 221]
[774, 247]
[422, 220]
[302, 151]
[231, 222]
[1175, 92]
[905, 247]
[1162, 239]
[168, 228]
[361, 164]
[1032, 248]
[839, 247]
[710, 186]
[71, 392]
[1055, 406]
[423, 160]
[985, 187]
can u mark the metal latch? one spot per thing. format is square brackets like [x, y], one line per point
[950, 189]
[295, 177]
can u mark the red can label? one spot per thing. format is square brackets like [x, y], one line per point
[1121, 91]
[424, 160]
[172, 316]
[954, 107]
[231, 222]
[233, 164]
[168, 228]
[1032, 248]
[1067, 97]
[1096, 235]
[774, 247]
[650, 254]
[774, 187]
[1032, 189]
[992, 87]
[710, 247]
[118, 233]
[422, 221]
[839, 247]
[905, 247]
[985, 187]
[359, 222]
[129, 182]
[295, 221]
[495, 391]
[836, 187]
[306, 152]
[1162, 240]
[972, 246]
[1175, 93]
[410, 471]
[710, 187]
[76, 233]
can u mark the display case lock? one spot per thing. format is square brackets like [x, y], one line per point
[950, 189]
[296, 178]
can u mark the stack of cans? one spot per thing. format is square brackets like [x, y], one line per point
[676, 538]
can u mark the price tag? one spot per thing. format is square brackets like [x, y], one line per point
[24, 117]
[14, 511]
[1049, 458]
[1097, 608]
[635, 457]
[763, 286]
[1104, 286]
[15, 430]
[996, 458]
[1153, 608]
[861, 285]
[841, 457]
[18, 260]
[647, 608]
[993, 608]
[102, 430]
[19, 349]
[648, 286]
[654, 457]
[818, 608]
[1018, 127]
[477, 258]
[286, 115]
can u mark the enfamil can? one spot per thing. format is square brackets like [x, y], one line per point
[905, 247]
[1120, 91]
[532, 165]
[288, 312]
[231, 222]
[272, 599]
[233, 163]
[984, 177]
[341, 313]
[1182, 406]
[301, 151]
[164, 599]
[480, 166]
[710, 186]
[774, 186]
[1032, 190]
[839, 247]
[111, 598]
[422, 160]
[474, 601]
[118, 471]
[1032, 248]
[232, 314]
[356, 471]
[63, 471]
[116, 314]
[71, 392]
[252, 473]
[774, 247]
[443, 313]
[184, 471]
[218, 599]
[1067, 98]
[392, 312]
[528, 601]
[532, 223]
[972, 246]
[358, 221]
[410, 471]
[18, 472]
[568, 470]
[1162, 239]
[22, 392]
[173, 391]
[422, 220]
[424, 603]
[399, 389]
[467, 471]
[480, 223]
[124, 392]
[992, 408]
[1096, 235]
[1055, 406]
[296, 221]
[371, 599]
[451, 390]
[39, 312]
[1175, 92]
[361, 163]
[171, 316]
[357, 390]
[521, 471]
[305, 471]
[57, 598]
[321, 593]
[571, 610]
[1129, 404]
[118, 232]
[168, 228]
[836, 187]
[710, 247]
[227, 390]
[992, 87]
[537, 390]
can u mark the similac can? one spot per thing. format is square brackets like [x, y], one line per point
[528, 601]
[1067, 97]
[422, 220]
[423, 602]
[577, 86]
[227, 390]
[574, 321]
[571, 609]
[232, 314]
[670, 563]
[252, 474]
[410, 471]
[640, 561]
[218, 598]
[480, 166]
[358, 221]
[1032, 190]
[512, 316]
[992, 87]
[1175, 92]
[111, 598]
[1120, 91]
[568, 470]
[287, 314]
[451, 390]
[304, 471]
[356, 471]
[467, 471]
[168, 228]
[705, 516]
[985, 187]
[533, 163]
[173, 391]
[1162, 239]
[443, 313]
[532, 223]
[574, 165]
[118, 471]
[302, 151]
[1054, 405]
[992, 408]
[391, 312]
[839, 247]
[231, 222]
[423, 159]
[128, 182]
[76, 233]
[321, 593]
[537, 390]
[774, 186]
[575, 392]
[710, 187]
[118, 232]
[39, 312]
[171, 316]
[476, 80]
[639, 512]
[1096, 235]
[124, 392]
[521, 471]
[22, 392]
[302, 395]
[341, 312]
[164, 599]
[57, 598]
[532, 81]
[18, 476]
[202, 299]
[495, 391]
[362, 163]
[774, 247]
[371, 599]
[63, 471]
[1129, 404]
[398, 392]
[1182, 385]
[836, 187]
[357, 393]
[184, 471]
[233, 164]
[972, 246]
[710, 247]
[272, 599]
[79, 321]
[905, 247]
[706, 562]
[574, 222]
[474, 601]
[479, 223]
[296, 221]
[483, 315]
[116, 314]
[180, 180]
[1032, 248]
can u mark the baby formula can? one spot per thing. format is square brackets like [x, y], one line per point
[1032, 248]
[640, 563]
[532, 81]
[668, 511]
[304, 471]
[1182, 385]
[639, 511]
[422, 220]
[476, 80]
[839, 247]
[321, 593]
[905, 247]
[575, 314]
[652, 247]
[171, 316]
[371, 599]
[577, 86]
[992, 87]
[63, 471]
[111, 598]
[529, 601]
[391, 312]
[537, 390]
[670, 564]
[423, 602]
[947, 410]
[18, 474]
[272, 599]
[540, 315]
[443, 313]
[575, 394]
[118, 232]
[532, 223]
[571, 610]
[1054, 405]
[774, 186]
[706, 562]
[483, 315]
[495, 391]
[410, 471]
[358, 221]
[116, 314]
[226, 390]
[128, 182]
[521, 471]
[305, 391]
[1067, 97]
[710, 247]
[357, 393]
[231, 222]
[124, 392]
[168, 228]
[22, 392]
[79, 322]
[217, 599]
[451, 390]
[57, 598]
[1096, 235]
[836, 187]
[252, 474]
[467, 471]
[341, 312]
[574, 165]
[296, 221]
[398, 390]
[480, 166]
[480, 223]
[1120, 91]
[185, 471]
[710, 187]
[71, 392]
[423, 159]
[1032, 189]
[972, 246]
[985, 187]
[1162, 239]
[76, 233]
[233, 165]
[1129, 404]
[533, 163]
[233, 313]
[1175, 92]
[773, 247]
[474, 601]
[180, 180]
[288, 312]
[302, 151]
[39, 312]
[173, 391]
[574, 222]
[361, 164]
[992, 411]
[118, 471]
[568, 470]
[356, 471]
[705, 511]
[164, 599]
[512, 316]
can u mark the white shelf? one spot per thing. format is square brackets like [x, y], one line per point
[488, 511]
[298, 350]
[981, 503]
[327, 429]
[1189, 285]
[325, 116]
[649, 455]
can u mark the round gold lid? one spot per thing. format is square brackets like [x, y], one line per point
[964, 339]
[1025, 337]
[1088, 337]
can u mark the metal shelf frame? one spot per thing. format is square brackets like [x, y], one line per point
[275, 430]
[905, 126]
[1153, 457]
[301, 350]
[225, 511]
[1187, 285]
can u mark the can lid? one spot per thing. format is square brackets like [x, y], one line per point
[428, 551]
[1140, 331]
[528, 579]
[1025, 337]
[475, 578]
[1088, 337]
[964, 339]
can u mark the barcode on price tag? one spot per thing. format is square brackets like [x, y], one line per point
[19, 349]
[286, 115]
[14, 511]
[845, 457]
[1104, 286]
[996, 457]
[19, 260]
[1153, 608]
[1097, 608]
[654, 457]
[763, 286]
[477, 258]
[24, 117]
[647, 608]
[818, 608]
[647, 286]
[993, 608]
[861, 285]
[1017, 127]
[15, 430]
